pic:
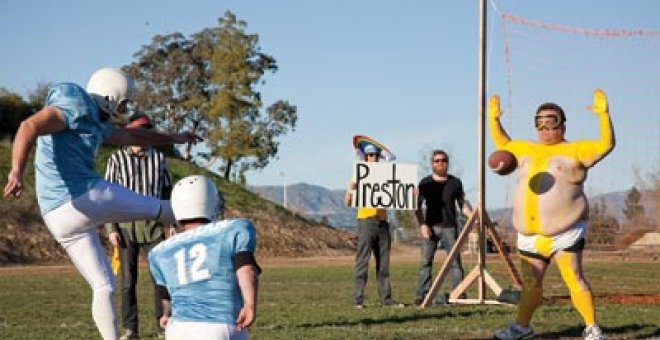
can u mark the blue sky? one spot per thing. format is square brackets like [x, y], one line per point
[403, 72]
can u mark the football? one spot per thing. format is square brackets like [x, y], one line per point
[502, 162]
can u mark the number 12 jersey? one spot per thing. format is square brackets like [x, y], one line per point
[198, 270]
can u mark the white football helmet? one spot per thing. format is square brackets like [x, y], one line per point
[196, 197]
[112, 89]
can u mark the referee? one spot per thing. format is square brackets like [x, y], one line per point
[143, 170]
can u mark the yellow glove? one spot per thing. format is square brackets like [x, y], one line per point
[600, 102]
[494, 107]
[114, 261]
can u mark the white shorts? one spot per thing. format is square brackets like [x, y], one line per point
[104, 203]
[188, 330]
[544, 247]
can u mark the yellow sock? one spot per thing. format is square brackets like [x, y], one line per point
[581, 296]
[584, 303]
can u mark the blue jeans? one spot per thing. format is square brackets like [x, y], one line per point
[373, 236]
[447, 236]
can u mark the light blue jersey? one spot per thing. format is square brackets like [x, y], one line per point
[198, 270]
[64, 161]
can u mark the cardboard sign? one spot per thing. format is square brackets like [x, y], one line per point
[385, 185]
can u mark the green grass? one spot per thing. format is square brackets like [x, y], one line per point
[315, 303]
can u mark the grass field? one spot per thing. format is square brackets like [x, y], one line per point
[311, 300]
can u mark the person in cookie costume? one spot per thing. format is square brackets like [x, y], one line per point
[550, 209]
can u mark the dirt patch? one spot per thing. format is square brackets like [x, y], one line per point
[400, 254]
[38, 270]
[611, 299]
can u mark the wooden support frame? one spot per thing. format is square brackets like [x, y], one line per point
[479, 216]
[479, 273]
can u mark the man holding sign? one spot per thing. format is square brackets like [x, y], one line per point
[373, 233]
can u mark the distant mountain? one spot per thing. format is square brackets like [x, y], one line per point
[614, 201]
[318, 203]
[311, 201]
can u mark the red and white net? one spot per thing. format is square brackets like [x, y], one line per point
[532, 62]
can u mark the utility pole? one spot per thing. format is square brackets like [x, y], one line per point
[284, 201]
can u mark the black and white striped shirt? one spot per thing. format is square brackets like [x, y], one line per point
[145, 173]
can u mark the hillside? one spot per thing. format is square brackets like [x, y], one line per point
[25, 239]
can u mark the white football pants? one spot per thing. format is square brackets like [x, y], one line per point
[74, 226]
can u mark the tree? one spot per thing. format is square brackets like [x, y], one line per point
[240, 135]
[649, 184]
[173, 83]
[425, 153]
[633, 209]
[405, 219]
[14, 109]
[207, 84]
[653, 196]
[37, 97]
[603, 226]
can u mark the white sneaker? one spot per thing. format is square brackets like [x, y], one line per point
[515, 332]
[129, 335]
[593, 332]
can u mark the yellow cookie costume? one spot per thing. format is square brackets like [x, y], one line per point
[549, 195]
[550, 209]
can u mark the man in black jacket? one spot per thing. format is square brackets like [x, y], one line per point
[441, 192]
